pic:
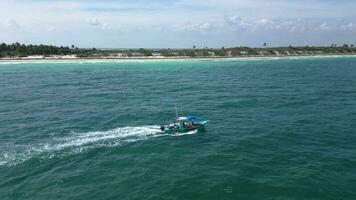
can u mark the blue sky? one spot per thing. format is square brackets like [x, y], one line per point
[178, 23]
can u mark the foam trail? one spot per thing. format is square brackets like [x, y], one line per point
[88, 138]
[186, 133]
[11, 154]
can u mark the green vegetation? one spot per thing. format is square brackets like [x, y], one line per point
[21, 50]
[17, 50]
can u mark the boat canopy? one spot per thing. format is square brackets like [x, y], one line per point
[188, 118]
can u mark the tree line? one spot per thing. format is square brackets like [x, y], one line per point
[22, 50]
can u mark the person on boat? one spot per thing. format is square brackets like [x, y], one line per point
[175, 125]
[189, 125]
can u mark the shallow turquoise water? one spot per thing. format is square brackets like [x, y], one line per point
[279, 129]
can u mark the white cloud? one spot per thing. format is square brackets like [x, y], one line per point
[105, 26]
[102, 25]
[324, 27]
[192, 27]
[233, 20]
[296, 25]
[262, 21]
[250, 24]
[205, 26]
[94, 21]
[347, 27]
[240, 22]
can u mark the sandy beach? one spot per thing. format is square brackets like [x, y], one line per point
[74, 57]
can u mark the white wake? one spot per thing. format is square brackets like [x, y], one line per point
[13, 154]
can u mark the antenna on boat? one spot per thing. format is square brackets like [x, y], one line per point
[175, 105]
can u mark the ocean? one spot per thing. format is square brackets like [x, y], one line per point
[280, 128]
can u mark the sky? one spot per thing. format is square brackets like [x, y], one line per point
[178, 23]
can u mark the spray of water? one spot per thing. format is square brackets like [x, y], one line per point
[11, 154]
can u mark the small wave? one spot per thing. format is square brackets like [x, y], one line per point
[87, 61]
[186, 133]
[74, 143]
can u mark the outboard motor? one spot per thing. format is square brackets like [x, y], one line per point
[162, 128]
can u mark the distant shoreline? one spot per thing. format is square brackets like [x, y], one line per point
[17, 51]
[66, 58]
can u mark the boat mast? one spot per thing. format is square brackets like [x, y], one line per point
[175, 105]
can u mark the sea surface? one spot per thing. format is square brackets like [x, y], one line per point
[88, 129]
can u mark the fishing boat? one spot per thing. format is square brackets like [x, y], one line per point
[185, 124]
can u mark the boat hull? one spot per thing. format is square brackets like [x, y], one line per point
[173, 128]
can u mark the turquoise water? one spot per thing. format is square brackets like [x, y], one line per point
[279, 129]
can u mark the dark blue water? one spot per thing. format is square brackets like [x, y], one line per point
[279, 129]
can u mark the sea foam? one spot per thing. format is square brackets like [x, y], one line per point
[73, 143]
